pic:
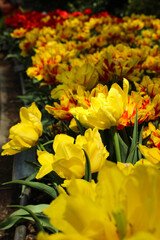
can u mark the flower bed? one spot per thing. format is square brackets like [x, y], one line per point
[93, 108]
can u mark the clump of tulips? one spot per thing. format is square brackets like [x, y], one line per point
[93, 117]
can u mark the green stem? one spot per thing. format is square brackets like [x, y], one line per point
[51, 141]
[41, 147]
[116, 143]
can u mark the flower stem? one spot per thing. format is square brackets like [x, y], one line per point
[41, 147]
[51, 141]
[116, 143]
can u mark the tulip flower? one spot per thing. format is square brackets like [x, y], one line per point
[105, 109]
[69, 158]
[25, 134]
[144, 106]
[151, 154]
[119, 206]
[86, 75]
[120, 62]
[148, 86]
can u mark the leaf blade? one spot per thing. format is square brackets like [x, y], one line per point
[40, 186]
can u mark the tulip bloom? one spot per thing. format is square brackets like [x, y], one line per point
[105, 109]
[70, 96]
[25, 134]
[154, 140]
[86, 76]
[69, 159]
[151, 154]
[120, 206]
[144, 106]
[121, 61]
[47, 60]
[148, 86]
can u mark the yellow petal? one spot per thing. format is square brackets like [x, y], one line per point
[46, 160]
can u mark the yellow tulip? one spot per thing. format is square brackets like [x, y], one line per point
[48, 59]
[25, 134]
[75, 208]
[28, 42]
[128, 168]
[84, 187]
[91, 142]
[69, 159]
[46, 160]
[61, 236]
[151, 154]
[85, 75]
[154, 139]
[105, 110]
[70, 96]
[144, 106]
[121, 61]
[119, 206]
[132, 25]
[141, 236]
[148, 86]
[18, 33]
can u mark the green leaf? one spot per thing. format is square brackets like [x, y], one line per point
[65, 126]
[81, 128]
[88, 175]
[140, 142]
[145, 140]
[21, 215]
[132, 157]
[26, 98]
[12, 56]
[31, 177]
[45, 222]
[34, 208]
[116, 143]
[12, 220]
[33, 164]
[41, 147]
[33, 215]
[40, 186]
[123, 149]
[156, 123]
